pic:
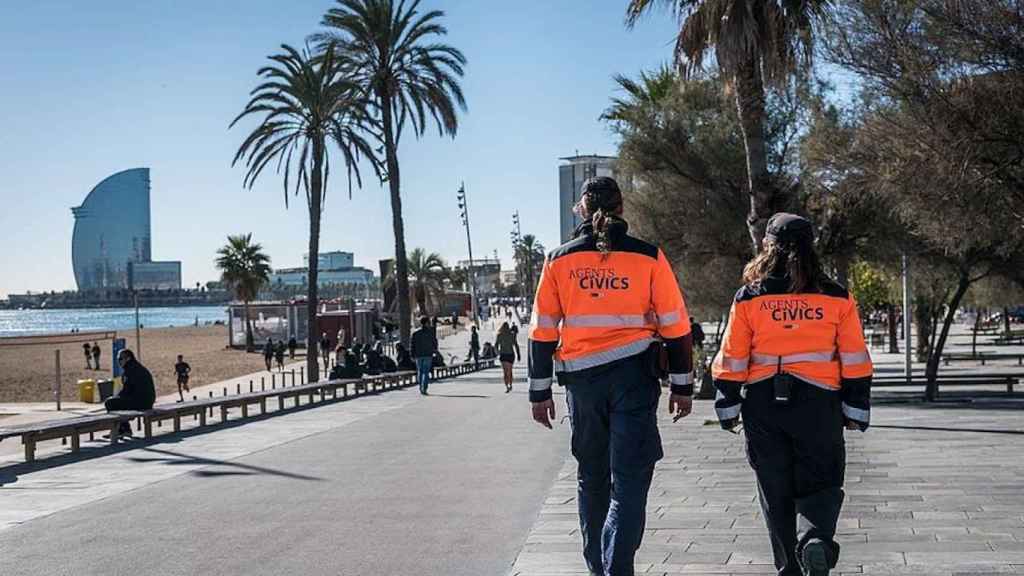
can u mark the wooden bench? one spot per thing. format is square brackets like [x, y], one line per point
[73, 428]
[981, 357]
[1007, 380]
[64, 428]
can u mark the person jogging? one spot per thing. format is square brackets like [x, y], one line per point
[606, 307]
[182, 371]
[508, 353]
[794, 343]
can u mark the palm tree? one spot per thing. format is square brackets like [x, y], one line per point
[649, 91]
[530, 258]
[412, 79]
[244, 268]
[306, 103]
[427, 272]
[754, 41]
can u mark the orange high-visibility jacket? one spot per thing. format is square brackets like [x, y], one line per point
[816, 337]
[591, 310]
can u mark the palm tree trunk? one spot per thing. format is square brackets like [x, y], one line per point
[312, 293]
[750, 105]
[401, 263]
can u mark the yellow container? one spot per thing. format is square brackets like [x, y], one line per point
[87, 391]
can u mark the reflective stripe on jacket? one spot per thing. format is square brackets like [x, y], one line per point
[816, 337]
[593, 309]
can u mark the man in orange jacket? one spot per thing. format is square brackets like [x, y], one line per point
[606, 304]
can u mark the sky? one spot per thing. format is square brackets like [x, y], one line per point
[90, 89]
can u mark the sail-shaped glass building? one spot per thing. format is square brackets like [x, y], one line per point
[110, 247]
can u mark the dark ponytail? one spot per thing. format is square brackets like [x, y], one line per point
[601, 203]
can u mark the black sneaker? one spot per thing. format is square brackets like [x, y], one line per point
[813, 558]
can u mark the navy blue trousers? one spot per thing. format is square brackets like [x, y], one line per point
[798, 454]
[613, 410]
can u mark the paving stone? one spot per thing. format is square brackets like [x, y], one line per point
[941, 500]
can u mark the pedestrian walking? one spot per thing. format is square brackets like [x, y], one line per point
[794, 344]
[96, 355]
[137, 389]
[423, 346]
[292, 345]
[88, 356]
[268, 353]
[606, 309]
[182, 371]
[474, 347]
[698, 333]
[325, 350]
[508, 352]
[279, 355]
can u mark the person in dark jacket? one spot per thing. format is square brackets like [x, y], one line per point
[698, 333]
[423, 346]
[405, 361]
[374, 361]
[279, 355]
[268, 354]
[292, 345]
[474, 347]
[137, 389]
[96, 354]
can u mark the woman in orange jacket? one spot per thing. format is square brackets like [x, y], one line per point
[793, 362]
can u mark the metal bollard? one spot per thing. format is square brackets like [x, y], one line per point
[238, 388]
[273, 380]
[251, 390]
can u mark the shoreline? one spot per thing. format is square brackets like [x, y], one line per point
[28, 372]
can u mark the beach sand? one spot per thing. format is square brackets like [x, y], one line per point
[27, 372]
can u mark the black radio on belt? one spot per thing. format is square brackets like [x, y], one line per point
[783, 383]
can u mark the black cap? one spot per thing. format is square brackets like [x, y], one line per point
[601, 192]
[785, 229]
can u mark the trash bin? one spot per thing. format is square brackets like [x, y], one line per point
[105, 389]
[87, 391]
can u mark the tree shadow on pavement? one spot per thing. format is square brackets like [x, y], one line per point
[177, 459]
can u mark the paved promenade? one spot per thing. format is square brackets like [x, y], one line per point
[930, 492]
[463, 483]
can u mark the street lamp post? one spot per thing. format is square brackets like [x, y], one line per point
[464, 207]
[516, 241]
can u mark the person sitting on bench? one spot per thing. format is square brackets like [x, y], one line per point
[137, 389]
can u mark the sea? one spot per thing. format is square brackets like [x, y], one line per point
[33, 322]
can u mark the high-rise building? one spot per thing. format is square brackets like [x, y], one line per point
[571, 176]
[111, 246]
